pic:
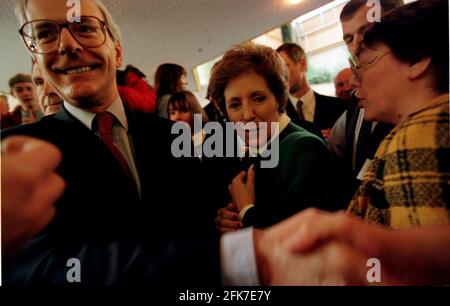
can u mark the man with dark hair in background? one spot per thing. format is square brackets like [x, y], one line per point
[306, 104]
[353, 140]
[23, 90]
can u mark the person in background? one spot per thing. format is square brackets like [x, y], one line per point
[49, 101]
[342, 84]
[135, 91]
[8, 119]
[212, 110]
[4, 105]
[22, 89]
[169, 79]
[181, 107]
[304, 103]
[353, 140]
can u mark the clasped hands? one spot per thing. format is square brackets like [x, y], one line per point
[315, 247]
[242, 194]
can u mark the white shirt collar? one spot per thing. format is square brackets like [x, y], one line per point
[283, 123]
[308, 99]
[309, 104]
[116, 108]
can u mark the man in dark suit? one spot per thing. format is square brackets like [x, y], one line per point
[306, 104]
[124, 187]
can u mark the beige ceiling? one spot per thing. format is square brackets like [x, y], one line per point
[188, 32]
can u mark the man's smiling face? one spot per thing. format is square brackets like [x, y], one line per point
[85, 77]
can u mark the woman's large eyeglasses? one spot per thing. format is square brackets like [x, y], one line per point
[358, 67]
[42, 36]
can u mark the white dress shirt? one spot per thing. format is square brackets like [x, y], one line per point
[308, 106]
[238, 262]
[238, 259]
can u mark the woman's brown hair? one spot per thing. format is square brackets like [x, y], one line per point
[250, 57]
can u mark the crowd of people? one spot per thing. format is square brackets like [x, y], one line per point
[89, 172]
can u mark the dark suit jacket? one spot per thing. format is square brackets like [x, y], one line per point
[328, 110]
[118, 237]
[304, 171]
[367, 150]
[212, 113]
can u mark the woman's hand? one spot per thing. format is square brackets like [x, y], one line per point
[227, 219]
[242, 191]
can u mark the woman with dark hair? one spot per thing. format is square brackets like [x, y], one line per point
[250, 86]
[182, 107]
[169, 79]
[402, 72]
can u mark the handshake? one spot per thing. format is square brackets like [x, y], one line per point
[321, 248]
[312, 247]
[315, 247]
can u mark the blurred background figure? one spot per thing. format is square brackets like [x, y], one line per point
[169, 79]
[304, 103]
[135, 91]
[22, 88]
[182, 106]
[7, 118]
[4, 106]
[212, 109]
[353, 140]
[342, 84]
[49, 101]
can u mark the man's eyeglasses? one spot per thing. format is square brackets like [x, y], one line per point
[42, 36]
[358, 67]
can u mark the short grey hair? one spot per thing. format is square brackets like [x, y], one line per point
[114, 29]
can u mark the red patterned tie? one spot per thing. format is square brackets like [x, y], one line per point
[105, 123]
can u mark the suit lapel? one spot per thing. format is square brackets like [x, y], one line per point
[318, 109]
[291, 111]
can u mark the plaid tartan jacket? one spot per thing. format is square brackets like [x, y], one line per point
[408, 181]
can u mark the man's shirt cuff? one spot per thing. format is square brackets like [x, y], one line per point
[238, 261]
